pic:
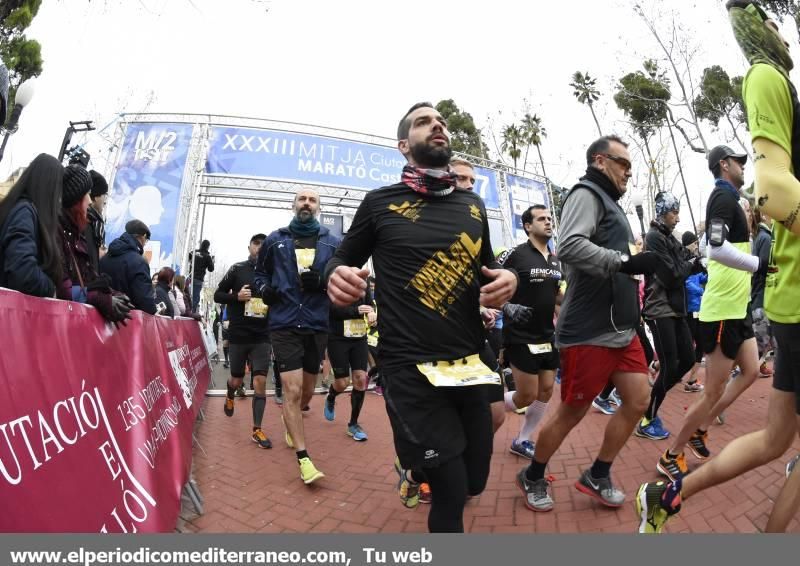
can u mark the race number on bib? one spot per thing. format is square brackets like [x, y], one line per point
[372, 340]
[459, 373]
[255, 308]
[305, 258]
[540, 348]
[355, 328]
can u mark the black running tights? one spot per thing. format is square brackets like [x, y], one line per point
[673, 342]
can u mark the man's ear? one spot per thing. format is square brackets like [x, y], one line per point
[403, 147]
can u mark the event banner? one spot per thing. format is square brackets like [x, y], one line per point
[333, 222]
[524, 193]
[95, 423]
[486, 187]
[147, 186]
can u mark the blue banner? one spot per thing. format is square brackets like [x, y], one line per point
[302, 158]
[147, 186]
[486, 186]
[524, 193]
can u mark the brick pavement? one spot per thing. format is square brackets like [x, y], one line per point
[248, 489]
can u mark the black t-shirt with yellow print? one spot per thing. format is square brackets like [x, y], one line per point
[427, 255]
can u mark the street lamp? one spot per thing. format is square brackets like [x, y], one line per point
[637, 199]
[21, 100]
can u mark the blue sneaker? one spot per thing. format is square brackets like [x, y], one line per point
[615, 398]
[524, 448]
[558, 376]
[356, 432]
[604, 406]
[654, 430]
[330, 409]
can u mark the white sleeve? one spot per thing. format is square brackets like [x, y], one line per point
[729, 256]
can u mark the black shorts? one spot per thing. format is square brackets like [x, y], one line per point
[297, 349]
[346, 355]
[432, 425]
[258, 353]
[520, 356]
[226, 334]
[729, 334]
[694, 329]
[787, 359]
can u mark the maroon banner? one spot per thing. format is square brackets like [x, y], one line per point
[95, 423]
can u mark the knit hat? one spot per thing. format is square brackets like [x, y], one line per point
[99, 184]
[666, 202]
[688, 238]
[77, 182]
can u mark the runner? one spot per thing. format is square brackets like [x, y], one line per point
[761, 229]
[770, 100]
[596, 333]
[432, 256]
[248, 335]
[528, 329]
[695, 287]
[289, 279]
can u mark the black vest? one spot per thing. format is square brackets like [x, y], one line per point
[596, 306]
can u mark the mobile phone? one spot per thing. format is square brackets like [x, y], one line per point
[716, 234]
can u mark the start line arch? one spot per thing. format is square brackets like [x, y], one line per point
[170, 167]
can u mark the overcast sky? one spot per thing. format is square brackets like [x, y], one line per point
[355, 65]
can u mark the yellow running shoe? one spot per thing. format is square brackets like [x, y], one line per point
[653, 513]
[308, 473]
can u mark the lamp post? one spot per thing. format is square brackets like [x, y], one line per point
[637, 199]
[21, 100]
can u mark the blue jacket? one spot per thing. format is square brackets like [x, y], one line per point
[19, 253]
[129, 272]
[695, 287]
[276, 268]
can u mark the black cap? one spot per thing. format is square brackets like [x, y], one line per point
[688, 238]
[259, 237]
[723, 152]
[99, 184]
[137, 228]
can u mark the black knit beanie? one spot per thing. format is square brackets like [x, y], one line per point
[77, 182]
[99, 184]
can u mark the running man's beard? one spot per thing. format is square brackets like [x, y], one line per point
[431, 156]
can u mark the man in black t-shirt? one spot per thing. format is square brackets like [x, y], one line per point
[432, 254]
[248, 335]
[528, 325]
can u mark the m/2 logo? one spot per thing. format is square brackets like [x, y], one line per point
[154, 146]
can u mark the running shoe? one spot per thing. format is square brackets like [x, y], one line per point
[308, 472]
[261, 439]
[425, 495]
[521, 411]
[674, 468]
[226, 364]
[615, 398]
[524, 448]
[278, 400]
[791, 465]
[330, 408]
[764, 370]
[693, 387]
[536, 493]
[601, 489]
[378, 390]
[721, 418]
[558, 376]
[306, 408]
[508, 377]
[355, 431]
[286, 436]
[697, 444]
[228, 408]
[408, 490]
[604, 406]
[240, 391]
[652, 508]
[654, 430]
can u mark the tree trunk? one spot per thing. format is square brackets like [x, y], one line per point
[596, 123]
[736, 136]
[683, 179]
[652, 172]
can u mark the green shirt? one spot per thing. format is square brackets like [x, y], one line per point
[770, 115]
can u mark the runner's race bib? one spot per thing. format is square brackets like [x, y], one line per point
[372, 340]
[255, 308]
[459, 373]
[305, 258]
[355, 328]
[540, 348]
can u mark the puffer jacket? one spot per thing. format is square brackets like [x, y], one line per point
[665, 293]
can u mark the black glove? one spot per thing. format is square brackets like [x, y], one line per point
[310, 281]
[121, 306]
[517, 314]
[645, 262]
[268, 295]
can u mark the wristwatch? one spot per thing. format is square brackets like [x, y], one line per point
[624, 257]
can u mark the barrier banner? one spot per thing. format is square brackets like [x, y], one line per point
[95, 423]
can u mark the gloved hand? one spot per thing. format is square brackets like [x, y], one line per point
[121, 306]
[517, 314]
[268, 295]
[310, 281]
[644, 263]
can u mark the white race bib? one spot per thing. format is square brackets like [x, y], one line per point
[540, 348]
[305, 258]
[255, 308]
[355, 328]
[459, 373]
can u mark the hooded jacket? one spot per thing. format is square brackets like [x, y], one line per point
[129, 272]
[19, 253]
[665, 293]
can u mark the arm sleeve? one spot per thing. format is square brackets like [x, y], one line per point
[579, 220]
[21, 262]
[729, 256]
[225, 294]
[358, 243]
[141, 288]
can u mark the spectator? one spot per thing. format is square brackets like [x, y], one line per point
[96, 231]
[177, 294]
[184, 297]
[30, 255]
[126, 267]
[203, 261]
[163, 295]
[80, 282]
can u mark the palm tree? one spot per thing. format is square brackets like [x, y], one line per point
[533, 133]
[586, 93]
[512, 143]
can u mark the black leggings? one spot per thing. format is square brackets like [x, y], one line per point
[673, 343]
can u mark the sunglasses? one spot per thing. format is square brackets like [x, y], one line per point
[627, 165]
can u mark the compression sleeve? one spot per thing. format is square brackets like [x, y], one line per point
[728, 255]
[777, 189]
